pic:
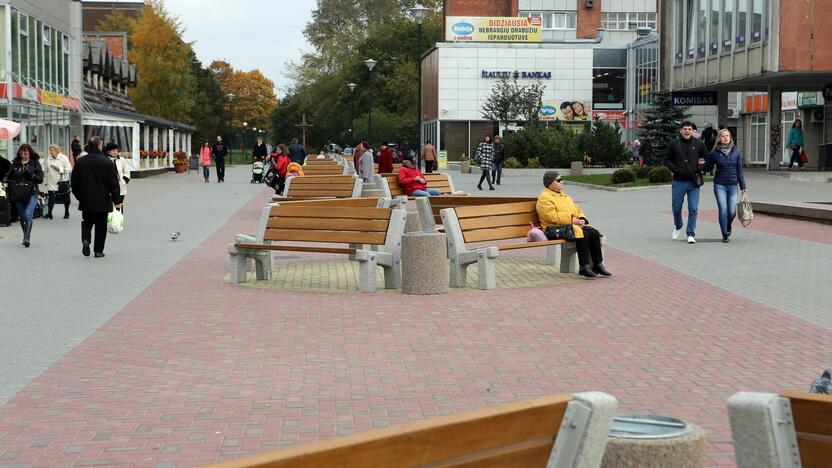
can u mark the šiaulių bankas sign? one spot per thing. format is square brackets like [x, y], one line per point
[516, 74]
[492, 29]
[705, 98]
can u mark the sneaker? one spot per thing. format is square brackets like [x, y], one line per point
[691, 240]
[676, 234]
[725, 240]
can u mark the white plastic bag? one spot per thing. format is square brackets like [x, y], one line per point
[744, 211]
[115, 222]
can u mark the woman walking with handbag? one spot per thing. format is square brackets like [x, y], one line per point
[22, 187]
[795, 143]
[484, 157]
[727, 159]
[57, 170]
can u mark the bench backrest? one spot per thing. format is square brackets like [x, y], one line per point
[812, 414]
[441, 182]
[485, 223]
[333, 186]
[431, 206]
[320, 162]
[322, 223]
[513, 434]
[396, 167]
[323, 169]
[338, 202]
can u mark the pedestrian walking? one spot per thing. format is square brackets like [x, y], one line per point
[385, 159]
[636, 149]
[709, 136]
[205, 160]
[429, 156]
[75, 149]
[795, 143]
[21, 183]
[220, 151]
[297, 153]
[96, 186]
[366, 163]
[727, 160]
[57, 170]
[122, 167]
[499, 160]
[685, 158]
[646, 151]
[358, 152]
[484, 157]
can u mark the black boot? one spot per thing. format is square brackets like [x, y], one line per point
[599, 268]
[586, 270]
[27, 232]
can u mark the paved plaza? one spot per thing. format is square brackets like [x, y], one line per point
[148, 357]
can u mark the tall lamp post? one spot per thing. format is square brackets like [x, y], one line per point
[419, 13]
[352, 87]
[243, 150]
[370, 63]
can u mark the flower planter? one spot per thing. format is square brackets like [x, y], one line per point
[180, 168]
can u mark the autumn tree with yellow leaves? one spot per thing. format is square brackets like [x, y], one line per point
[251, 97]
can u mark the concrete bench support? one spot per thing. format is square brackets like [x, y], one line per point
[762, 427]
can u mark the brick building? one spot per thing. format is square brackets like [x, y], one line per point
[578, 50]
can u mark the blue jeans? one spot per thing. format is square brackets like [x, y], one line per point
[496, 172]
[431, 192]
[26, 210]
[726, 202]
[680, 189]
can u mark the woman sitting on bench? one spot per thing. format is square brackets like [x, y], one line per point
[556, 209]
[412, 182]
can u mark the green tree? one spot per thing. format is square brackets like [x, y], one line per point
[208, 114]
[603, 145]
[509, 101]
[661, 124]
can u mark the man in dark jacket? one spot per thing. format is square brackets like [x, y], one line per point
[709, 136]
[685, 158]
[260, 151]
[499, 160]
[95, 185]
[296, 152]
[75, 148]
[220, 151]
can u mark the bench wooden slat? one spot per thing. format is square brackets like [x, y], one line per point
[812, 414]
[513, 434]
[333, 237]
[334, 202]
[518, 219]
[500, 233]
[529, 245]
[490, 210]
[325, 212]
[320, 192]
[329, 224]
[296, 248]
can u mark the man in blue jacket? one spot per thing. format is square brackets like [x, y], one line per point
[296, 152]
[685, 158]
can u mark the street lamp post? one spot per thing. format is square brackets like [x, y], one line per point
[243, 149]
[419, 13]
[370, 63]
[352, 87]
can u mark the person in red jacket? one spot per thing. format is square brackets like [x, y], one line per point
[385, 160]
[413, 182]
[281, 162]
[358, 152]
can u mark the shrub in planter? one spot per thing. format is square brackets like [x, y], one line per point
[512, 163]
[534, 163]
[642, 172]
[623, 176]
[659, 175]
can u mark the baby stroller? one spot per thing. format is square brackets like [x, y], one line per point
[257, 172]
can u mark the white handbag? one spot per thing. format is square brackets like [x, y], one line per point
[744, 211]
[115, 222]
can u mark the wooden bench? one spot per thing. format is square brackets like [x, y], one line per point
[320, 223]
[325, 170]
[559, 431]
[390, 183]
[788, 430]
[489, 223]
[429, 207]
[396, 167]
[332, 186]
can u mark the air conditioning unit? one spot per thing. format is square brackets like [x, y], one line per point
[816, 116]
[590, 3]
[733, 113]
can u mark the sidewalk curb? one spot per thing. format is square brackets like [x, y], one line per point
[615, 189]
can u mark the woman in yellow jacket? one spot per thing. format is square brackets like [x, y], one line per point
[556, 208]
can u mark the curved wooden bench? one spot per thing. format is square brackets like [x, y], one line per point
[429, 207]
[559, 431]
[392, 189]
[316, 224]
[331, 186]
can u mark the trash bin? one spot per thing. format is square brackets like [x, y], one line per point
[656, 441]
[424, 263]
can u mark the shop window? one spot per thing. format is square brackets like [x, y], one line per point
[727, 24]
[742, 21]
[757, 140]
[622, 21]
[713, 39]
[553, 19]
[609, 87]
[690, 30]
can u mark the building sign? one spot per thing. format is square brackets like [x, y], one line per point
[808, 100]
[788, 101]
[442, 159]
[606, 115]
[492, 29]
[827, 92]
[516, 74]
[705, 98]
[71, 103]
[29, 94]
[564, 110]
[51, 99]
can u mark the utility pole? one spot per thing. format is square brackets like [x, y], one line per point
[303, 126]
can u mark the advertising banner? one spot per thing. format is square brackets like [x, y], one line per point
[70, 103]
[607, 115]
[442, 159]
[51, 99]
[492, 29]
[565, 110]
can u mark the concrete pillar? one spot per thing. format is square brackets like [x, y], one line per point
[775, 117]
[135, 162]
[147, 144]
[155, 141]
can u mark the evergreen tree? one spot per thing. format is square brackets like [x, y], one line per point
[604, 147]
[661, 122]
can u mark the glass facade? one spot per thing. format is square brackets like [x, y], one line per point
[40, 54]
[702, 25]
[553, 19]
[627, 21]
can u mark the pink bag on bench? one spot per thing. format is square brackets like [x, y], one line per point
[535, 234]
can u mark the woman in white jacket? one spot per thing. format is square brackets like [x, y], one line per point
[122, 166]
[57, 170]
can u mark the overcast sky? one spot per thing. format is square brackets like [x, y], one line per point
[264, 34]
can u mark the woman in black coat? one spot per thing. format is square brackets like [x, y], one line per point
[21, 183]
